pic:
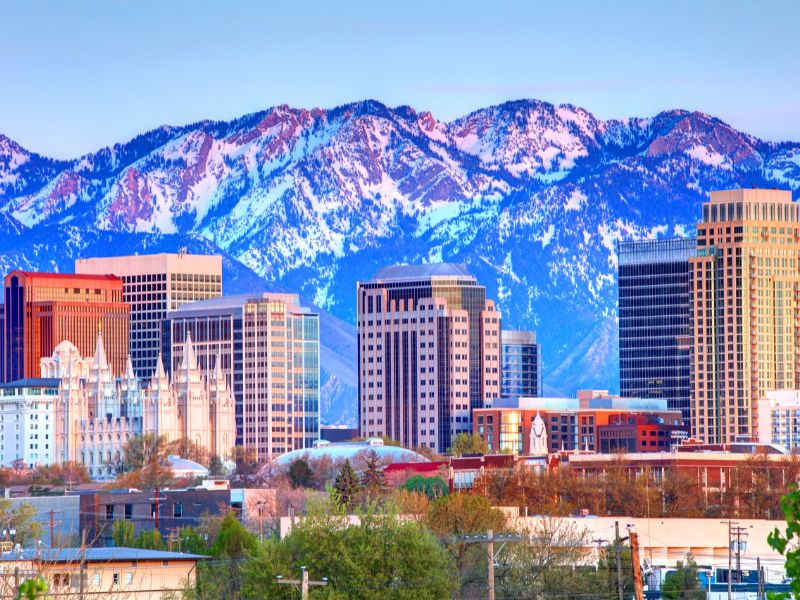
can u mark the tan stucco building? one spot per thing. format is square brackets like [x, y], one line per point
[745, 309]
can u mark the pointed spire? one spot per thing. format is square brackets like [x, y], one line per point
[159, 374]
[217, 369]
[129, 370]
[100, 361]
[189, 361]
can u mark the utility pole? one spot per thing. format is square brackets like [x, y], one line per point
[617, 546]
[637, 568]
[490, 554]
[730, 559]
[82, 570]
[760, 592]
[52, 529]
[303, 582]
[739, 532]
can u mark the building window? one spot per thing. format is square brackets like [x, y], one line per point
[96, 579]
[177, 509]
[115, 579]
[128, 578]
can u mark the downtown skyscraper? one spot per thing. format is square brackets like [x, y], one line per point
[154, 284]
[428, 353]
[745, 309]
[654, 329]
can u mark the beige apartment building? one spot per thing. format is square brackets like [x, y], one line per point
[112, 573]
[154, 284]
[745, 314]
[428, 353]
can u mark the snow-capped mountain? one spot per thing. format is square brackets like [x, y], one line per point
[530, 195]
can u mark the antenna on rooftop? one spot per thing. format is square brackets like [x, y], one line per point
[183, 251]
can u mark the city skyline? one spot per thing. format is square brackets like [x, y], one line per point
[87, 80]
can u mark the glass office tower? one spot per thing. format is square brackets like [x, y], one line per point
[521, 361]
[654, 328]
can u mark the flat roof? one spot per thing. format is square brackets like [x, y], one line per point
[424, 271]
[70, 555]
[236, 302]
[77, 276]
[31, 382]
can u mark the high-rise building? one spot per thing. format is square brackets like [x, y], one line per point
[428, 353]
[269, 346]
[521, 364]
[43, 309]
[152, 285]
[745, 309]
[654, 331]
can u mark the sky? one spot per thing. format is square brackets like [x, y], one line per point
[79, 75]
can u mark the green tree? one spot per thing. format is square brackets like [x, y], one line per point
[346, 484]
[145, 463]
[683, 583]
[786, 544]
[300, 473]
[32, 589]
[378, 557]
[432, 487]
[233, 540]
[468, 443]
[373, 481]
[605, 578]
[192, 541]
[452, 517]
[21, 518]
[122, 532]
[150, 539]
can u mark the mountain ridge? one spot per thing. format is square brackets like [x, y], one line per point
[532, 196]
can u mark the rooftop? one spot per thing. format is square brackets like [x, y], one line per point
[75, 276]
[426, 271]
[31, 382]
[349, 450]
[70, 555]
[236, 302]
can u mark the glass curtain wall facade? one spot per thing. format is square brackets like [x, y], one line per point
[521, 364]
[269, 347]
[654, 329]
[428, 353]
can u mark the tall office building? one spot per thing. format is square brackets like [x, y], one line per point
[745, 286]
[152, 285]
[654, 331]
[521, 364]
[428, 353]
[269, 346]
[43, 309]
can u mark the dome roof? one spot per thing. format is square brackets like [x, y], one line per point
[349, 451]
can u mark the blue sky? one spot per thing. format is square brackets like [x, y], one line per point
[78, 75]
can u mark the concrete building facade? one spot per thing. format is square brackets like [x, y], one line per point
[26, 422]
[745, 309]
[43, 309]
[269, 346]
[428, 353]
[154, 284]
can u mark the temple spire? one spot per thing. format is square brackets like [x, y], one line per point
[189, 361]
[100, 361]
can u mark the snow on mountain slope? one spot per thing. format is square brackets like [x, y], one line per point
[532, 196]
